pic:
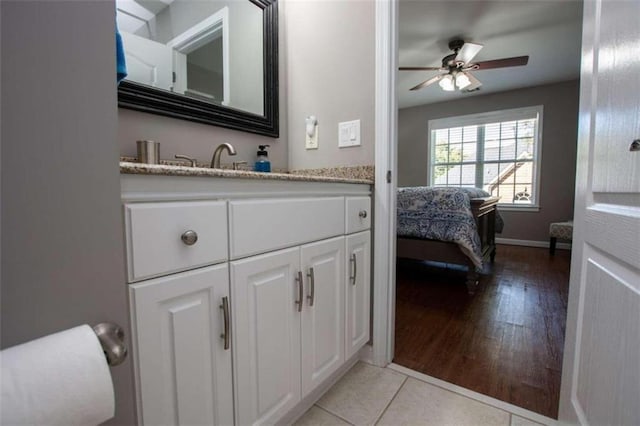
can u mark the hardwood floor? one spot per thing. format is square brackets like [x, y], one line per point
[505, 342]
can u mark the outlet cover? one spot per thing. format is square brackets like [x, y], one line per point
[349, 134]
[311, 142]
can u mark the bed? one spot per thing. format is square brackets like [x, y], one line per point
[448, 225]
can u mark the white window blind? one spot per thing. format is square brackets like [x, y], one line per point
[497, 151]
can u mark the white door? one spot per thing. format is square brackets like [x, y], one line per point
[358, 287]
[148, 62]
[183, 368]
[601, 371]
[323, 311]
[266, 319]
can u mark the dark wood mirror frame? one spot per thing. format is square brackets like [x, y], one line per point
[155, 101]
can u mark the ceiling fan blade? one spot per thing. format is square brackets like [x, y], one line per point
[428, 82]
[475, 83]
[467, 52]
[420, 68]
[501, 63]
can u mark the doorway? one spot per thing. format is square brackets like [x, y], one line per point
[599, 380]
[515, 298]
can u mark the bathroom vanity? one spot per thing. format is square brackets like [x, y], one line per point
[249, 293]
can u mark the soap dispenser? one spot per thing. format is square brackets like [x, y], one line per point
[263, 164]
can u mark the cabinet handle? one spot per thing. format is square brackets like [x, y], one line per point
[312, 285]
[225, 313]
[189, 237]
[300, 291]
[362, 214]
[354, 261]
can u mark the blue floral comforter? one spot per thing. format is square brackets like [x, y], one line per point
[441, 214]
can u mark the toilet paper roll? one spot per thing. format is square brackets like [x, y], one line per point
[60, 379]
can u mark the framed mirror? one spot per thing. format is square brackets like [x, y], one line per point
[208, 61]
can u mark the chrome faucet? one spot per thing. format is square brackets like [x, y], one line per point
[215, 160]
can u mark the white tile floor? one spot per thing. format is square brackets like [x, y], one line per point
[369, 395]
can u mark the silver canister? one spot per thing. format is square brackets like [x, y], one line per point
[148, 152]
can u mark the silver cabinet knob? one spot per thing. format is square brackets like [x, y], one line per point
[635, 145]
[362, 214]
[189, 237]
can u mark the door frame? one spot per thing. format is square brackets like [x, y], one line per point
[384, 250]
[384, 238]
[211, 28]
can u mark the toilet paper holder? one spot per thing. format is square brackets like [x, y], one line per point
[111, 337]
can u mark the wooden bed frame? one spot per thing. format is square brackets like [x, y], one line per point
[484, 211]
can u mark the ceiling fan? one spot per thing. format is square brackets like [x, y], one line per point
[456, 67]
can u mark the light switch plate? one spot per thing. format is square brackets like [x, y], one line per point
[349, 133]
[311, 142]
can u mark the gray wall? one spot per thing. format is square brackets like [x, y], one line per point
[62, 245]
[330, 74]
[194, 139]
[559, 133]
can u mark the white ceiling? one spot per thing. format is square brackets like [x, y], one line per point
[134, 14]
[549, 31]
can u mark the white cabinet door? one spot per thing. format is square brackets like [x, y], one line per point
[183, 370]
[323, 311]
[358, 288]
[266, 337]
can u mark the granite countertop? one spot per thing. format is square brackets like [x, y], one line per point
[364, 174]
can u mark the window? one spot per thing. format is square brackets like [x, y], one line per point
[497, 151]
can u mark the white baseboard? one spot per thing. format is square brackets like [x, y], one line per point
[531, 243]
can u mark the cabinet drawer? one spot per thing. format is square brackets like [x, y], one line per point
[358, 214]
[258, 226]
[155, 232]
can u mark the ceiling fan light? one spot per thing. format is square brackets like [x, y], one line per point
[447, 83]
[462, 80]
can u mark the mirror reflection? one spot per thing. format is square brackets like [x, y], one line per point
[207, 50]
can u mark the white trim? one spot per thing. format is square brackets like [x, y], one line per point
[203, 32]
[518, 208]
[198, 35]
[531, 243]
[537, 176]
[485, 117]
[501, 405]
[198, 94]
[386, 115]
